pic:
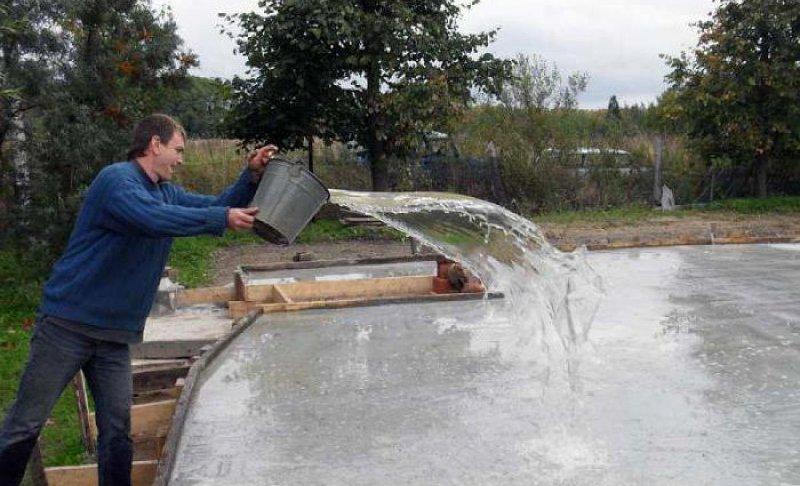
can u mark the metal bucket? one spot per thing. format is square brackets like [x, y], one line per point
[288, 196]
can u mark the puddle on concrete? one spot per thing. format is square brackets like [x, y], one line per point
[689, 376]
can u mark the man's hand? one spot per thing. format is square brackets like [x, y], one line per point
[257, 160]
[241, 218]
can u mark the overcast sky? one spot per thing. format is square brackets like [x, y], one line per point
[617, 42]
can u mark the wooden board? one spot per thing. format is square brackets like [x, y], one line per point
[157, 364]
[338, 289]
[357, 289]
[245, 269]
[258, 293]
[160, 395]
[682, 240]
[142, 474]
[245, 307]
[170, 349]
[82, 401]
[278, 295]
[206, 295]
[147, 420]
[157, 379]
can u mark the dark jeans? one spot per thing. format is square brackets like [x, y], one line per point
[56, 354]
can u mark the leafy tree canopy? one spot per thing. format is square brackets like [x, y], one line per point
[738, 92]
[379, 71]
[81, 73]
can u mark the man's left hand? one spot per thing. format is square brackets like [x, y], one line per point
[257, 160]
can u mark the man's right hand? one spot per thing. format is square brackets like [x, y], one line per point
[241, 218]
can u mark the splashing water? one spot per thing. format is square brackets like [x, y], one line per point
[552, 296]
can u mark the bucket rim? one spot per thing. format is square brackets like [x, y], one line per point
[317, 179]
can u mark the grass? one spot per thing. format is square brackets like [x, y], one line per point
[326, 230]
[192, 257]
[20, 289]
[767, 205]
[640, 213]
[626, 214]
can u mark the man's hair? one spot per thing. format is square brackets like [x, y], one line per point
[155, 125]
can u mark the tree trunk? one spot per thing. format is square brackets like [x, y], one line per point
[22, 178]
[761, 174]
[375, 146]
[310, 139]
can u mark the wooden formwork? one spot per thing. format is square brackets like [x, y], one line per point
[143, 473]
[157, 385]
[244, 270]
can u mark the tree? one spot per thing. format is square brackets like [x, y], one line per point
[613, 109]
[536, 84]
[379, 70]
[739, 90]
[82, 72]
[201, 106]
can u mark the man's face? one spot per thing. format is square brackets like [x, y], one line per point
[167, 156]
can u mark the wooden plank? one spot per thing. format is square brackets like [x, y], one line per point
[152, 419]
[239, 285]
[147, 448]
[170, 349]
[245, 269]
[151, 396]
[353, 293]
[142, 474]
[237, 309]
[357, 289]
[159, 378]
[279, 295]
[147, 420]
[259, 293]
[682, 240]
[206, 295]
[365, 302]
[82, 401]
[167, 460]
[157, 364]
[335, 289]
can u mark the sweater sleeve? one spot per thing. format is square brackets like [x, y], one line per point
[237, 195]
[129, 208]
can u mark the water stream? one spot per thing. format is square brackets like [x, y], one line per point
[552, 296]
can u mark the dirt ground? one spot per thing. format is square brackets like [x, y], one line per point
[701, 229]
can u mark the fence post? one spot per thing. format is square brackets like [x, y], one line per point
[658, 148]
[711, 190]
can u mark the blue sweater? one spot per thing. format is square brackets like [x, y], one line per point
[109, 273]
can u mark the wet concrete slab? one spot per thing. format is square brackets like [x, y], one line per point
[350, 272]
[691, 375]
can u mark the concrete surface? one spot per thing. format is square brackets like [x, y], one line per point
[690, 376]
[194, 322]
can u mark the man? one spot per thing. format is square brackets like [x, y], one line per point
[101, 289]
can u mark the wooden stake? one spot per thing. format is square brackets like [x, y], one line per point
[79, 385]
